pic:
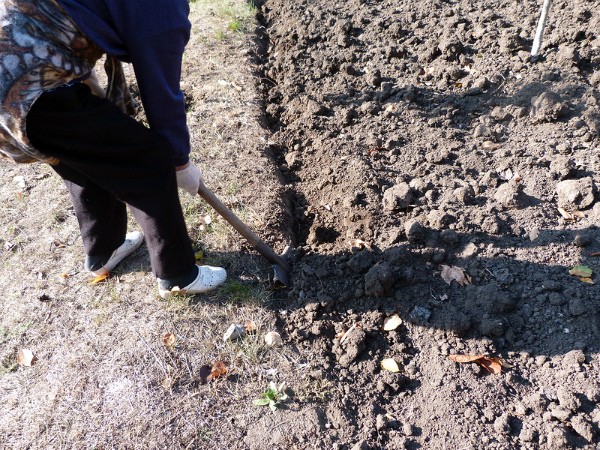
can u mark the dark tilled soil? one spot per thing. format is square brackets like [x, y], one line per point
[414, 135]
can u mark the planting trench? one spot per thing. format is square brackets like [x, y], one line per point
[413, 135]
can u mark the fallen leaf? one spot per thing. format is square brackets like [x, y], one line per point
[199, 255]
[581, 271]
[587, 280]
[218, 370]
[392, 322]
[348, 331]
[26, 358]
[64, 275]
[503, 363]
[455, 273]
[100, 279]
[595, 254]
[169, 340]
[390, 365]
[359, 244]
[566, 215]
[464, 358]
[492, 364]
[250, 326]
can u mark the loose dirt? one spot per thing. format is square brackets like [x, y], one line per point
[385, 141]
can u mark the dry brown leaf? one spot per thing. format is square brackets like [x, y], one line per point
[359, 244]
[581, 272]
[464, 358]
[566, 215]
[100, 279]
[492, 364]
[392, 322]
[571, 216]
[169, 340]
[500, 361]
[26, 358]
[218, 370]
[455, 273]
[347, 333]
[250, 326]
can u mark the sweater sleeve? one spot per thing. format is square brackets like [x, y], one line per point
[157, 64]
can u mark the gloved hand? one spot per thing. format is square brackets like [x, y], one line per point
[188, 179]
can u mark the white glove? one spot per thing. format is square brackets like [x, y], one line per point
[188, 179]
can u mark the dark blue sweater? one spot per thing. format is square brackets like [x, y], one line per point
[150, 34]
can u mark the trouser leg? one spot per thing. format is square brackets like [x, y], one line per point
[114, 153]
[101, 216]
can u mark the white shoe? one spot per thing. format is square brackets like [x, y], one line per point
[208, 278]
[132, 242]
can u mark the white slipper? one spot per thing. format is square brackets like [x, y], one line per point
[208, 278]
[132, 242]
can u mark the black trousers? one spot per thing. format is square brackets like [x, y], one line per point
[108, 159]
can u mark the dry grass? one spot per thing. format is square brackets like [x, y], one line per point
[104, 378]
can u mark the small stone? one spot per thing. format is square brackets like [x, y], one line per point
[582, 240]
[527, 434]
[380, 422]
[562, 167]
[361, 262]
[492, 327]
[578, 194]
[273, 339]
[439, 219]
[398, 197]
[464, 194]
[560, 413]
[567, 399]
[556, 298]
[481, 131]
[548, 107]
[573, 359]
[407, 429]
[583, 428]
[379, 280]
[420, 314]
[469, 251]
[415, 232]
[578, 307]
[509, 194]
[534, 233]
[557, 438]
[501, 424]
[233, 333]
[292, 159]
